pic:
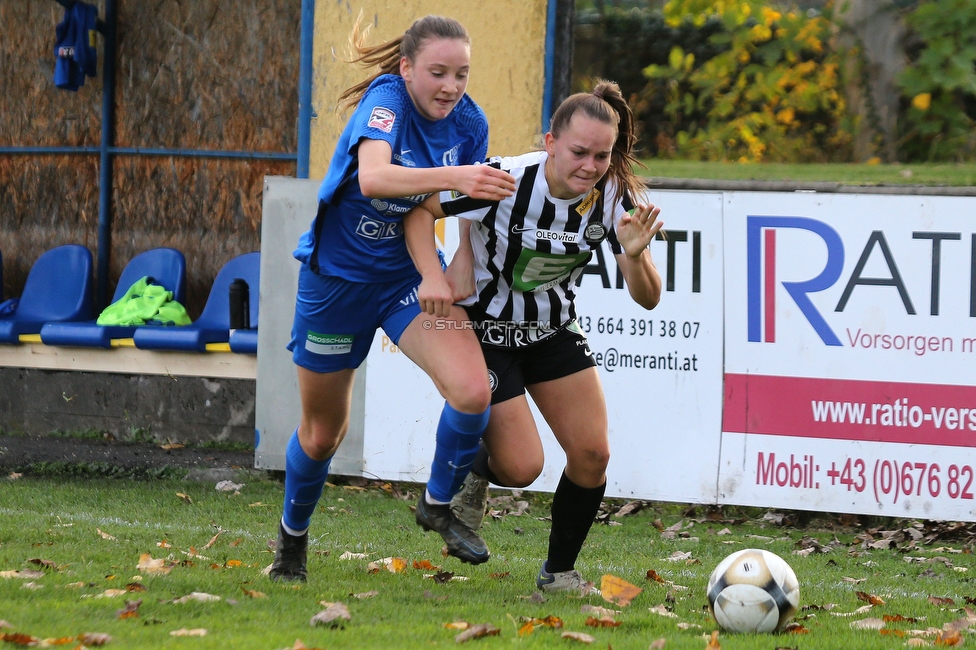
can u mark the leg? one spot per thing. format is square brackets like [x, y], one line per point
[575, 409]
[513, 448]
[325, 417]
[451, 356]
[331, 335]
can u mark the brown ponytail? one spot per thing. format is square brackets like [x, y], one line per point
[606, 104]
[386, 56]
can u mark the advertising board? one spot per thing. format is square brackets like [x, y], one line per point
[849, 349]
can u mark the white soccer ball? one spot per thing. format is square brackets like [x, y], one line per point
[753, 591]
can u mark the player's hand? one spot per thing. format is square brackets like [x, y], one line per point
[460, 274]
[484, 182]
[434, 295]
[635, 230]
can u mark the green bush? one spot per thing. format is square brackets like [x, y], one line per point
[939, 85]
[771, 93]
[618, 43]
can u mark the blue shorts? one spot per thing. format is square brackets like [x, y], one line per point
[336, 320]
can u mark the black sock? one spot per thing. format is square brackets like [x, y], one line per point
[573, 510]
[481, 468]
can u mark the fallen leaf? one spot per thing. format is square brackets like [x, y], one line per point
[869, 598]
[13, 476]
[679, 556]
[498, 576]
[135, 586]
[104, 535]
[949, 639]
[164, 544]
[94, 639]
[593, 621]
[196, 596]
[476, 632]
[253, 593]
[917, 643]
[185, 632]
[425, 565]
[110, 593]
[149, 565]
[349, 555]
[795, 628]
[617, 590]
[598, 611]
[688, 626]
[935, 600]
[172, 445]
[185, 498]
[332, 616]
[853, 581]
[652, 575]
[233, 564]
[661, 610]
[457, 625]
[4, 624]
[131, 609]
[20, 639]
[391, 564]
[526, 629]
[868, 624]
[26, 574]
[578, 636]
[228, 486]
[366, 594]
[713, 643]
[212, 540]
[443, 577]
[657, 644]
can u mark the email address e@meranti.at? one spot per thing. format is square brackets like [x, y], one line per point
[612, 359]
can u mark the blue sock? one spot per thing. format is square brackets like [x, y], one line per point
[304, 480]
[458, 435]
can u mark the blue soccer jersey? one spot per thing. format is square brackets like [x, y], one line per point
[361, 239]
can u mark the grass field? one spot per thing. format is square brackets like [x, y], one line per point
[70, 552]
[855, 174]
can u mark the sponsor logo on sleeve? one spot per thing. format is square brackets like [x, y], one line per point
[382, 119]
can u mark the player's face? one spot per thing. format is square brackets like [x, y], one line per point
[438, 76]
[579, 157]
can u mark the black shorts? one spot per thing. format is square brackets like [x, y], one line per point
[510, 370]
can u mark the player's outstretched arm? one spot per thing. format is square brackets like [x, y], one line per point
[434, 294]
[635, 232]
[379, 178]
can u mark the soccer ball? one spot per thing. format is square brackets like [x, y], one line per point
[753, 591]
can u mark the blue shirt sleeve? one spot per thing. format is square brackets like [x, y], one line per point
[380, 115]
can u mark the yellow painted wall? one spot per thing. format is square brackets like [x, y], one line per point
[508, 41]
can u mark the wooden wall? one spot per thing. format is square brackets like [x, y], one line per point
[191, 74]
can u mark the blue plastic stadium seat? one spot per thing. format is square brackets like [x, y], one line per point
[213, 326]
[166, 266]
[58, 288]
[244, 341]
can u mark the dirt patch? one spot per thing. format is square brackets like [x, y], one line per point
[22, 453]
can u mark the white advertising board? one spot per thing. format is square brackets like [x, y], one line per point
[661, 372]
[849, 347]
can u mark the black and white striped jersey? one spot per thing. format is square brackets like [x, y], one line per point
[530, 248]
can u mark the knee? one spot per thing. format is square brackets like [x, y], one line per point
[472, 395]
[591, 459]
[519, 475]
[320, 439]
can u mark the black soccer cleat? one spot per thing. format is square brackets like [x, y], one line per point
[462, 542]
[289, 560]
